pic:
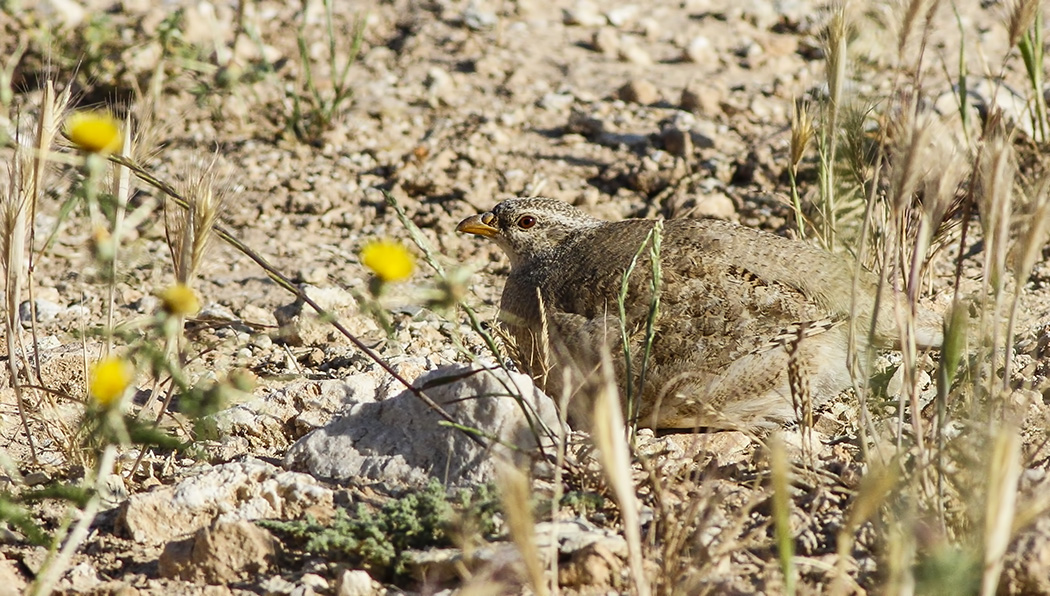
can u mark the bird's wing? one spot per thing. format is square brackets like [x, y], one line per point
[825, 280]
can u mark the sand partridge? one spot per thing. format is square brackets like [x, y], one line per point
[737, 309]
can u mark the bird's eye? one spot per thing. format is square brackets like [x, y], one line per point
[526, 222]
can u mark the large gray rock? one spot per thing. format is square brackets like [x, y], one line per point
[402, 440]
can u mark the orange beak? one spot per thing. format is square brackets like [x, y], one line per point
[482, 224]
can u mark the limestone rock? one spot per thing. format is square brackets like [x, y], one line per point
[401, 439]
[357, 582]
[223, 553]
[249, 489]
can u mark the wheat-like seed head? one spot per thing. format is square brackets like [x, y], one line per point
[190, 232]
[801, 131]
[998, 172]
[1020, 18]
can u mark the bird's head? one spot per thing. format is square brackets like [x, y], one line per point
[529, 227]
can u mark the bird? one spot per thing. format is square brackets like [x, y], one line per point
[722, 326]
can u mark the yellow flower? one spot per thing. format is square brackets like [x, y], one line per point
[389, 260]
[180, 300]
[97, 132]
[110, 378]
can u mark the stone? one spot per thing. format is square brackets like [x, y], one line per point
[402, 440]
[80, 579]
[700, 51]
[257, 315]
[245, 490]
[66, 14]
[631, 51]
[479, 18]
[622, 14]
[702, 100]
[46, 311]
[676, 141]
[607, 41]
[301, 326]
[357, 582]
[11, 581]
[717, 205]
[223, 553]
[591, 567]
[584, 13]
[639, 91]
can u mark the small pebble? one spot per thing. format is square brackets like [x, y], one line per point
[699, 51]
[716, 205]
[619, 16]
[639, 91]
[630, 51]
[584, 13]
[606, 41]
[315, 357]
[676, 141]
[315, 275]
[45, 311]
[585, 124]
[705, 101]
[314, 581]
[37, 478]
[477, 19]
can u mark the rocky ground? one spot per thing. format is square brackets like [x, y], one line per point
[654, 109]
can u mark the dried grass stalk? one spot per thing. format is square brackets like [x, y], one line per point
[610, 437]
[514, 494]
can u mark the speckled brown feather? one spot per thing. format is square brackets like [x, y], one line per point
[735, 303]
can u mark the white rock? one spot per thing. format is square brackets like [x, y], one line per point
[46, 311]
[357, 582]
[216, 311]
[10, 578]
[479, 18]
[440, 85]
[700, 51]
[577, 534]
[925, 386]
[584, 13]
[66, 13]
[81, 578]
[257, 315]
[314, 581]
[620, 15]
[402, 440]
[631, 51]
[556, 101]
[248, 490]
